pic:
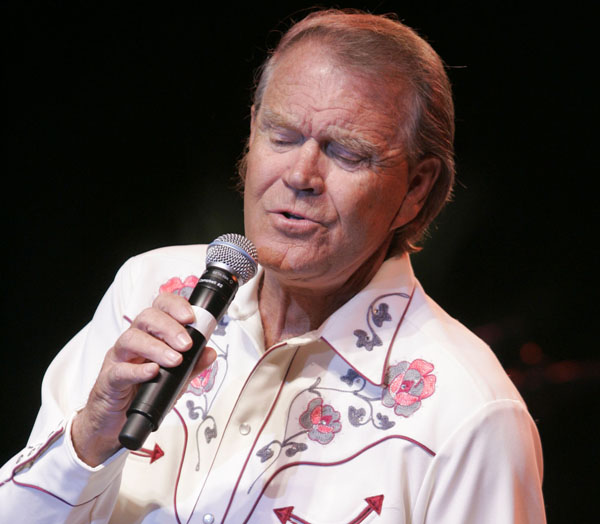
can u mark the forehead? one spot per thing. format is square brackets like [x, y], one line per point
[309, 88]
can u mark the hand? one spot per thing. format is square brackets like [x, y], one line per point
[155, 338]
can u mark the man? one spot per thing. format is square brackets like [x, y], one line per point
[335, 390]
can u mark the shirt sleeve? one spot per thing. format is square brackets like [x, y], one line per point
[489, 470]
[46, 482]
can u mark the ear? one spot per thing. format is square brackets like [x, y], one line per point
[420, 181]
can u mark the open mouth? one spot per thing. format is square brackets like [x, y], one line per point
[294, 217]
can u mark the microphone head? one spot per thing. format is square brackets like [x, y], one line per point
[234, 253]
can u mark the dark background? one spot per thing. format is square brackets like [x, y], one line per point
[123, 124]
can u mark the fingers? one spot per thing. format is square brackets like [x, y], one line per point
[125, 374]
[165, 320]
[207, 357]
[175, 306]
[156, 337]
[137, 345]
[157, 334]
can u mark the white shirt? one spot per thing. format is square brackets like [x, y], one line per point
[390, 412]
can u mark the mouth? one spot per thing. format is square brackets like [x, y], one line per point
[292, 216]
[292, 220]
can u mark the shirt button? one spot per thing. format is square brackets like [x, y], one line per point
[245, 428]
[208, 518]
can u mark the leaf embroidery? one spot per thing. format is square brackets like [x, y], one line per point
[377, 313]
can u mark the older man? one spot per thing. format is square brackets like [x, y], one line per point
[335, 390]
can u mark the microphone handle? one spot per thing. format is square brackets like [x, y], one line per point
[213, 293]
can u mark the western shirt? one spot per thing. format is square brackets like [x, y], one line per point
[390, 412]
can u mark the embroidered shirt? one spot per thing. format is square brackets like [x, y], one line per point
[390, 412]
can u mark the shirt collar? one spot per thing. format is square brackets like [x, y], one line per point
[362, 331]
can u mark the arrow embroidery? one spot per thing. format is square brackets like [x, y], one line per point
[152, 454]
[373, 504]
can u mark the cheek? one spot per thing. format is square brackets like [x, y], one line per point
[262, 171]
[360, 204]
[385, 201]
[260, 183]
[368, 212]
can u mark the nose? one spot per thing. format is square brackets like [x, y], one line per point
[305, 174]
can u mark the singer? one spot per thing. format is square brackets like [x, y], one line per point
[332, 389]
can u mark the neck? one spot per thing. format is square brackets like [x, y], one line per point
[289, 310]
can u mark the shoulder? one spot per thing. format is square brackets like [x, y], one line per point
[165, 261]
[170, 256]
[455, 383]
[456, 352]
[163, 270]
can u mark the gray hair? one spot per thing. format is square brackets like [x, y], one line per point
[383, 47]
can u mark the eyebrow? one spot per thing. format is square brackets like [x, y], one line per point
[271, 119]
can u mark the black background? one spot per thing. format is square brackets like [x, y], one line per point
[123, 125]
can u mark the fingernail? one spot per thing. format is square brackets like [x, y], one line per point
[173, 357]
[183, 340]
[149, 369]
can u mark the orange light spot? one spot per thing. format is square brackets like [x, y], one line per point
[531, 353]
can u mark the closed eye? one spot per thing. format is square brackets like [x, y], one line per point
[283, 139]
[347, 159]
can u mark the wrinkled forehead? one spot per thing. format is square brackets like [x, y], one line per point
[315, 65]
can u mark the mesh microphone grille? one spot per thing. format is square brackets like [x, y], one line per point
[234, 252]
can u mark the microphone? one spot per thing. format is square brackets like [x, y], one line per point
[231, 260]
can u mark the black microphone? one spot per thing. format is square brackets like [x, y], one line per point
[231, 260]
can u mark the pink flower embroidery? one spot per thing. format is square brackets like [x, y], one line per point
[408, 384]
[321, 421]
[205, 381]
[175, 285]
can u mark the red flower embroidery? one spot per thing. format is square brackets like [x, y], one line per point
[408, 384]
[175, 285]
[204, 382]
[321, 421]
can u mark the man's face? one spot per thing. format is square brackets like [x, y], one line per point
[327, 176]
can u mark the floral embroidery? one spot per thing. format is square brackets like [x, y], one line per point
[176, 286]
[408, 384]
[321, 421]
[405, 386]
[350, 377]
[358, 416]
[378, 313]
[364, 341]
[204, 388]
[200, 385]
[198, 408]
[291, 448]
[210, 432]
[381, 315]
[205, 381]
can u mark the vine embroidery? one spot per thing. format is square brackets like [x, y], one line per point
[204, 394]
[377, 313]
[204, 383]
[406, 385]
